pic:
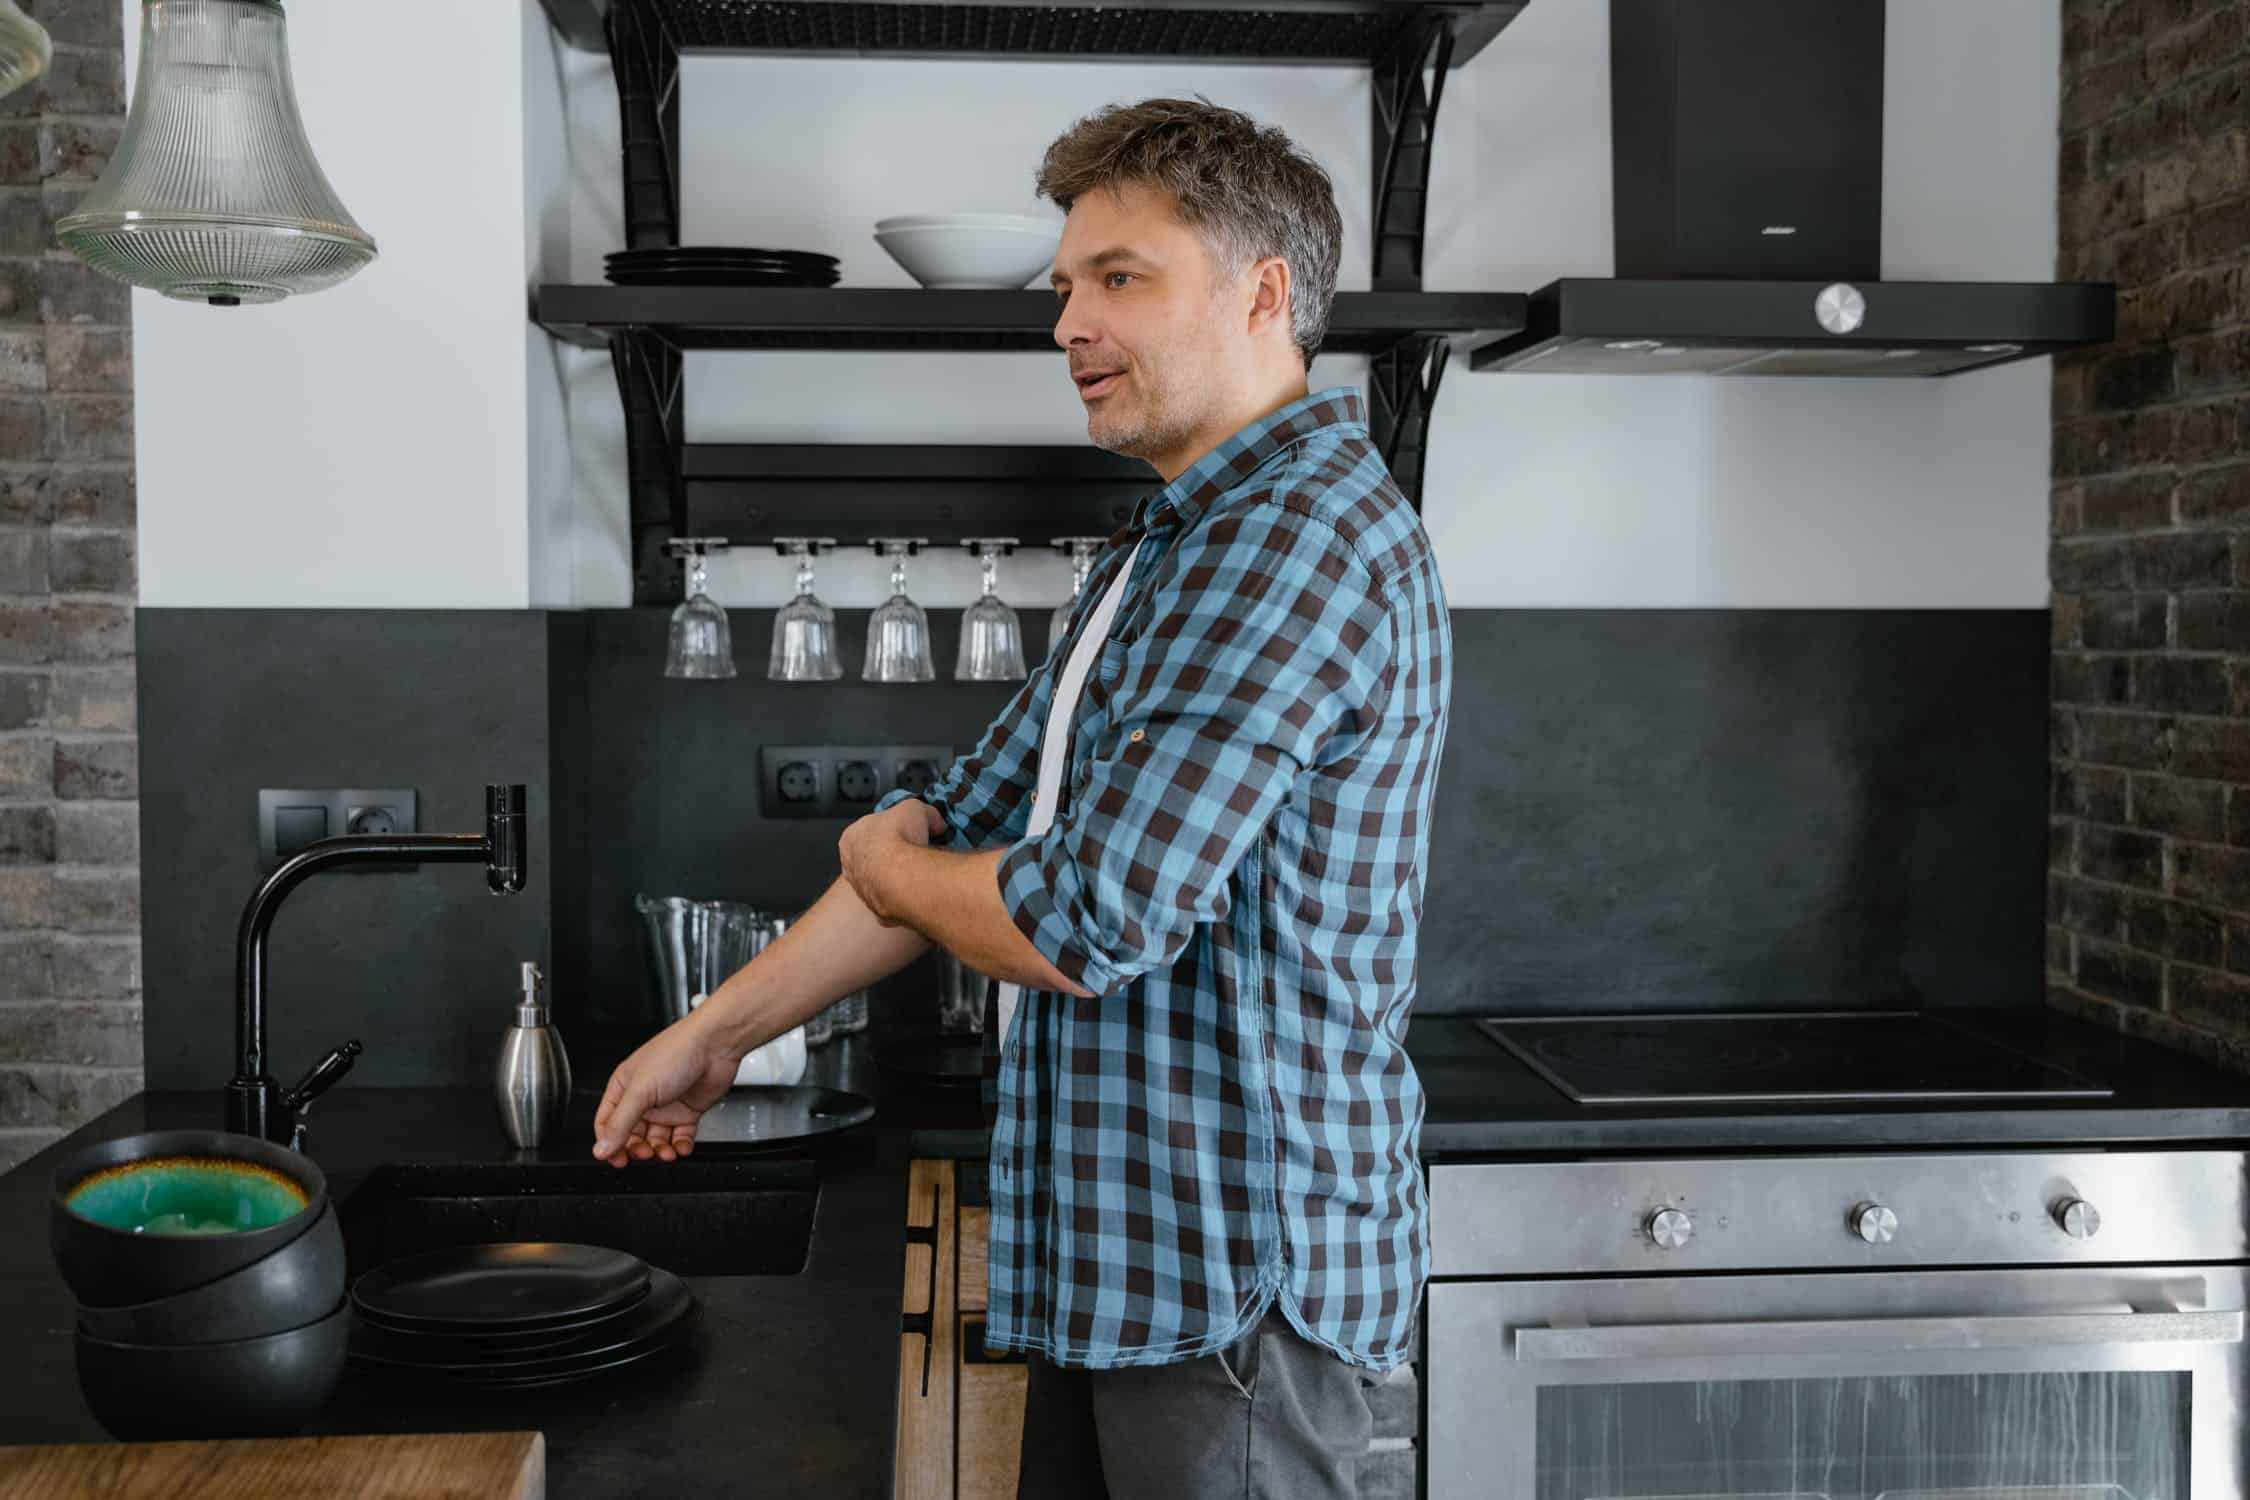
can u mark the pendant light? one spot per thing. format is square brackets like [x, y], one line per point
[24, 48]
[213, 194]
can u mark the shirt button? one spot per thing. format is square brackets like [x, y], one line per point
[1138, 735]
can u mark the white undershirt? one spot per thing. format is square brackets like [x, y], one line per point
[1054, 745]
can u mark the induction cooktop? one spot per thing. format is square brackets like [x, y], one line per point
[1790, 1057]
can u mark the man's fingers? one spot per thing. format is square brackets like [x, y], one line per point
[937, 824]
[619, 1116]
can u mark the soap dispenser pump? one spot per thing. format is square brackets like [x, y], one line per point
[532, 1080]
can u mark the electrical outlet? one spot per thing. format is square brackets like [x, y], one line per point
[790, 783]
[858, 782]
[842, 781]
[289, 819]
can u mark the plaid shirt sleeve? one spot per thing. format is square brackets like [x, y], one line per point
[1266, 650]
[986, 794]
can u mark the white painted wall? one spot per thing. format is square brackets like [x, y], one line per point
[367, 445]
[1594, 492]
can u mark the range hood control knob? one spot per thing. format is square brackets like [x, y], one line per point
[1670, 1228]
[2078, 1218]
[1874, 1223]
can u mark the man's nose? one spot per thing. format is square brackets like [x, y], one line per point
[1074, 326]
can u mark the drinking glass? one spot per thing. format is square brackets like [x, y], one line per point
[961, 994]
[991, 636]
[1083, 550]
[850, 1013]
[898, 633]
[700, 646]
[804, 629]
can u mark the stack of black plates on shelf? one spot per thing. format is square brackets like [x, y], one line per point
[515, 1315]
[718, 265]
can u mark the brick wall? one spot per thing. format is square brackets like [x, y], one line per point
[2149, 868]
[70, 969]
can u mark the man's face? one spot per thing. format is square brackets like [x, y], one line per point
[1142, 322]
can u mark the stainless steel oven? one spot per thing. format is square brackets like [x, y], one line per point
[1990, 1326]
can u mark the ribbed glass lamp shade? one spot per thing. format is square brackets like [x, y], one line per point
[213, 194]
[24, 48]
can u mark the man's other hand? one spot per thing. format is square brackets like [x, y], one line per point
[869, 844]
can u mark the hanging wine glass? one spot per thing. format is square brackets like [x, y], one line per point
[1083, 550]
[701, 647]
[804, 629]
[991, 635]
[898, 633]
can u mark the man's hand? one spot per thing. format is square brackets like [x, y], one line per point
[869, 846]
[658, 1095]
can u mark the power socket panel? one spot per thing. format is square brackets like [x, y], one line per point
[842, 781]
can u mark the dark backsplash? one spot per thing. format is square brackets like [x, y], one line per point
[1638, 809]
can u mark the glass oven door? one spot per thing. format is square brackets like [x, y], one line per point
[2052, 1384]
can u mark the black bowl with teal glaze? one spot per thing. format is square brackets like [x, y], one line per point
[262, 1387]
[298, 1284]
[146, 1216]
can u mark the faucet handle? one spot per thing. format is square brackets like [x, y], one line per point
[507, 830]
[320, 1076]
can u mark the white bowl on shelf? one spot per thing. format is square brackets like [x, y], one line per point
[991, 252]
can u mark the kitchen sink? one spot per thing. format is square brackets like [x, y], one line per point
[694, 1218]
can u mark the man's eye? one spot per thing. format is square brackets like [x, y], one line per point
[1117, 276]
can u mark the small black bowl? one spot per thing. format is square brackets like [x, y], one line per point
[263, 1387]
[296, 1285]
[108, 1266]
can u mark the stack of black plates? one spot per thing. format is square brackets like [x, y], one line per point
[515, 1315]
[714, 265]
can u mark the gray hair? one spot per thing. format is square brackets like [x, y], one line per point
[1245, 188]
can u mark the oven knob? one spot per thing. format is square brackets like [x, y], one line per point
[1874, 1223]
[2078, 1218]
[1670, 1228]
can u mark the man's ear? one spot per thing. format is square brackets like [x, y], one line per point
[1269, 283]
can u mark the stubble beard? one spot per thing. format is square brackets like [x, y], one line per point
[1145, 433]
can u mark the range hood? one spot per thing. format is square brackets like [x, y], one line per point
[1746, 146]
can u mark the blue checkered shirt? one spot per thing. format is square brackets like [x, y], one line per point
[1237, 874]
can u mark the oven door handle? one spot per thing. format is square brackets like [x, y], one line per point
[1875, 1335]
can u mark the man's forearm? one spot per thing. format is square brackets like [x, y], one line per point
[835, 948]
[954, 901]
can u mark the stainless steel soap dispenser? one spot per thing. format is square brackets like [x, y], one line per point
[532, 1080]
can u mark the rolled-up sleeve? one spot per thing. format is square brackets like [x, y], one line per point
[1268, 652]
[985, 796]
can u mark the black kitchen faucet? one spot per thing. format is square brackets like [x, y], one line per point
[256, 1104]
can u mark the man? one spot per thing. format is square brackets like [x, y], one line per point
[1208, 1220]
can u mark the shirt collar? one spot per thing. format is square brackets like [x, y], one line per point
[1236, 458]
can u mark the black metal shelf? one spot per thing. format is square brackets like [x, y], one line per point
[1256, 31]
[1409, 334]
[751, 493]
[887, 318]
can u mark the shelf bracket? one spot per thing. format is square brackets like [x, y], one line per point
[649, 381]
[1402, 129]
[644, 54]
[1402, 385]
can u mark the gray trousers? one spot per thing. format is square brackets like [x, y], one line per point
[1273, 1418]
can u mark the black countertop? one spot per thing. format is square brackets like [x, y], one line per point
[788, 1383]
[785, 1384]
